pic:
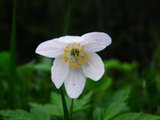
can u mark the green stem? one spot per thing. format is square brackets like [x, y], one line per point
[13, 53]
[67, 17]
[65, 110]
[65, 31]
[101, 114]
[71, 108]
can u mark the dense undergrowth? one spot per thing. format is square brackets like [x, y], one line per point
[123, 93]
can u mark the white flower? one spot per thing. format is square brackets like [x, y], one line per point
[75, 59]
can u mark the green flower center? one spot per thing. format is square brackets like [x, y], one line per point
[75, 55]
[75, 52]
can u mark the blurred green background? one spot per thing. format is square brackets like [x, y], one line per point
[133, 58]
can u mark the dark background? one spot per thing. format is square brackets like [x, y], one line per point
[133, 25]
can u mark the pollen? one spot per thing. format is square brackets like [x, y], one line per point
[75, 55]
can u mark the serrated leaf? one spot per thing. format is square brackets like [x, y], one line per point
[118, 104]
[56, 101]
[54, 108]
[137, 116]
[47, 108]
[79, 104]
[83, 103]
[98, 114]
[16, 115]
[113, 109]
[40, 114]
[121, 95]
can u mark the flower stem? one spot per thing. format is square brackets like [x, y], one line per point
[71, 108]
[65, 110]
[13, 54]
[67, 17]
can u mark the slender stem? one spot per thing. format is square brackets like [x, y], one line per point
[65, 110]
[71, 108]
[65, 31]
[101, 114]
[13, 53]
[67, 17]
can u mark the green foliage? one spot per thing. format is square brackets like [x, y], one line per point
[44, 65]
[35, 114]
[112, 98]
[118, 103]
[117, 65]
[40, 114]
[47, 111]
[4, 63]
[56, 101]
[137, 116]
[16, 115]
[83, 103]
[4, 76]
[55, 107]
[98, 114]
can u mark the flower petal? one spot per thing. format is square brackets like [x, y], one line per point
[94, 69]
[70, 39]
[51, 48]
[96, 41]
[59, 71]
[75, 82]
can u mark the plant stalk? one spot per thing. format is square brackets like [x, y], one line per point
[71, 109]
[13, 54]
[65, 110]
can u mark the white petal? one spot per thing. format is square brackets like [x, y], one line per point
[51, 48]
[96, 41]
[59, 71]
[70, 39]
[75, 82]
[94, 69]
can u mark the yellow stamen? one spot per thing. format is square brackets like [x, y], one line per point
[75, 55]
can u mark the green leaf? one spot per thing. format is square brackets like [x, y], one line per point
[56, 102]
[137, 116]
[16, 115]
[98, 114]
[25, 71]
[83, 103]
[121, 95]
[4, 63]
[117, 65]
[40, 114]
[44, 65]
[47, 108]
[55, 107]
[100, 86]
[118, 104]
